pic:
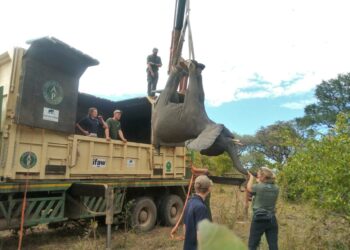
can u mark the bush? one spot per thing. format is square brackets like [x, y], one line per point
[319, 171]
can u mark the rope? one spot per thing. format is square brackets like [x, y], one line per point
[195, 172]
[24, 203]
[175, 228]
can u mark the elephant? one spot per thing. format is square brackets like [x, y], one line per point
[179, 123]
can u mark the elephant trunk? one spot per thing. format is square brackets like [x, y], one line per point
[233, 153]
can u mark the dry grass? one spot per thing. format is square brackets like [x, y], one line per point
[301, 227]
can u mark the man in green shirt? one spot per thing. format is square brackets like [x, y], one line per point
[265, 194]
[153, 64]
[115, 126]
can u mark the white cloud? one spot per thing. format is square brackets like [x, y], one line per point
[278, 40]
[297, 105]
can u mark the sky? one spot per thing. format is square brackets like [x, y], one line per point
[263, 58]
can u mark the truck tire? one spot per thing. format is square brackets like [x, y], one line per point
[170, 209]
[144, 214]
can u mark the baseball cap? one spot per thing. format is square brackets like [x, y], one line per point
[203, 181]
[117, 111]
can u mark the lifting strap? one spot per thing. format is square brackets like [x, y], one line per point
[176, 56]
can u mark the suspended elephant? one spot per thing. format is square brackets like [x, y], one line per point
[176, 123]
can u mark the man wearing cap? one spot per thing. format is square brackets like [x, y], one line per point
[115, 126]
[196, 211]
[153, 64]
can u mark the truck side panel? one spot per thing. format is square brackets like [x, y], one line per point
[47, 154]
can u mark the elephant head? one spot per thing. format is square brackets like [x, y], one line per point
[176, 123]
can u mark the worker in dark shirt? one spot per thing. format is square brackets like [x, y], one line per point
[196, 211]
[90, 124]
[153, 64]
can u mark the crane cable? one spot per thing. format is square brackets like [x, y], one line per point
[190, 39]
[191, 57]
[181, 40]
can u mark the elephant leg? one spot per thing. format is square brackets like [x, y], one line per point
[170, 88]
[195, 93]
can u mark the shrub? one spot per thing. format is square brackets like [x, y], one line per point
[319, 171]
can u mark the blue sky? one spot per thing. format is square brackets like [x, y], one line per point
[263, 58]
[247, 116]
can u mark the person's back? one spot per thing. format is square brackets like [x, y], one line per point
[196, 211]
[265, 195]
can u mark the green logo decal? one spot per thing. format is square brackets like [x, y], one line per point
[53, 92]
[168, 166]
[28, 160]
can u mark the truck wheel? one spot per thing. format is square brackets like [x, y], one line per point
[170, 209]
[144, 214]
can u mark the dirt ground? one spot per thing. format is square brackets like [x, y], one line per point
[301, 228]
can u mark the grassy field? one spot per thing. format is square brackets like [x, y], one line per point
[301, 228]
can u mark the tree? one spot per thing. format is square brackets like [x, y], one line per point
[333, 97]
[276, 142]
[254, 160]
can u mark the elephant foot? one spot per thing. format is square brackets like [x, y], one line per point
[182, 64]
[192, 64]
[200, 66]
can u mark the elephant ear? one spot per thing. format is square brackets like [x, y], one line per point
[205, 139]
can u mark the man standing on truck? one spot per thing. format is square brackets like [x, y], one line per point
[91, 123]
[114, 126]
[154, 62]
[196, 211]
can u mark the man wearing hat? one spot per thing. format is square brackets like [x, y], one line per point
[196, 211]
[153, 64]
[115, 126]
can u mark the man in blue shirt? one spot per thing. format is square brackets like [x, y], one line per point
[196, 211]
[91, 124]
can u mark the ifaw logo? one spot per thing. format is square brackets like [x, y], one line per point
[99, 163]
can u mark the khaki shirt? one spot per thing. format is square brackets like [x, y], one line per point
[265, 196]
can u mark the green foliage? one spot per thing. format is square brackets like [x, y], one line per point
[219, 165]
[277, 142]
[254, 159]
[319, 171]
[333, 97]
